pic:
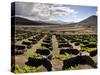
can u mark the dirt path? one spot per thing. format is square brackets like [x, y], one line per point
[84, 67]
[21, 59]
[20, 42]
[36, 46]
[73, 44]
[57, 64]
[95, 58]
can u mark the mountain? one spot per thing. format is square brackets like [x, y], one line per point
[25, 21]
[92, 20]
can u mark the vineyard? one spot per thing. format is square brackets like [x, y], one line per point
[50, 51]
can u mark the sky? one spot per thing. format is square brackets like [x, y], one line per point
[54, 12]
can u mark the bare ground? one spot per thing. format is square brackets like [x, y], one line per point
[57, 64]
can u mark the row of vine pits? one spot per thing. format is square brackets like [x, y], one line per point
[53, 45]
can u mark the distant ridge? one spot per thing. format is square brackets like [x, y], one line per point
[24, 21]
[92, 20]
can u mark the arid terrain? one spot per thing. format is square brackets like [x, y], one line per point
[56, 47]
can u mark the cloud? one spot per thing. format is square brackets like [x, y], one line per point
[61, 11]
[43, 11]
